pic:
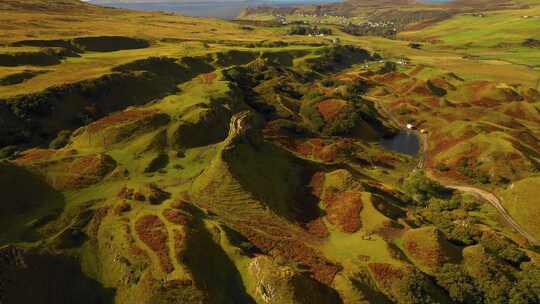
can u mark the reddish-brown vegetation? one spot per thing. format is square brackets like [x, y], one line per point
[317, 228]
[84, 171]
[330, 108]
[179, 244]
[442, 83]
[34, 155]
[152, 231]
[122, 208]
[276, 240]
[326, 151]
[343, 210]
[93, 227]
[176, 217]
[208, 78]
[429, 256]
[390, 78]
[120, 118]
[386, 274]
[316, 183]
[417, 87]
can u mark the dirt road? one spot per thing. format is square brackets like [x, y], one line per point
[497, 203]
[486, 195]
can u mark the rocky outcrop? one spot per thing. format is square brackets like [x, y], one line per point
[277, 284]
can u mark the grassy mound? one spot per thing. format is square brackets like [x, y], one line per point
[201, 127]
[55, 43]
[119, 128]
[262, 174]
[405, 284]
[109, 43]
[70, 106]
[18, 78]
[64, 171]
[521, 200]
[282, 58]
[234, 57]
[42, 58]
[254, 180]
[338, 57]
[428, 249]
[342, 200]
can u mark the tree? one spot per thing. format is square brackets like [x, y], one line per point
[527, 290]
[388, 67]
[459, 284]
[503, 248]
[421, 188]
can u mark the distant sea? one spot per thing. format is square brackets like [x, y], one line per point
[222, 10]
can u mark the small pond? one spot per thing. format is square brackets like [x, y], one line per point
[405, 142]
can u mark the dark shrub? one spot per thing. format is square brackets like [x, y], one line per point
[61, 140]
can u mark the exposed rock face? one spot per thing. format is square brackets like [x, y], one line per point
[243, 128]
[281, 284]
[150, 192]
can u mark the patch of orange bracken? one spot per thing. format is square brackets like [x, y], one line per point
[318, 228]
[518, 110]
[433, 102]
[327, 153]
[487, 93]
[136, 250]
[95, 223]
[316, 183]
[431, 257]
[389, 231]
[390, 78]
[293, 249]
[152, 231]
[274, 236]
[330, 108]
[84, 171]
[304, 148]
[176, 217]
[441, 83]
[343, 210]
[324, 151]
[179, 244]
[386, 274]
[34, 155]
[417, 87]
[442, 142]
[119, 118]
[208, 78]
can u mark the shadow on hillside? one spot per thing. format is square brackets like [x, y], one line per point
[39, 278]
[27, 203]
[214, 273]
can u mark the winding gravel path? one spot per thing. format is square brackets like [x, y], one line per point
[486, 195]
